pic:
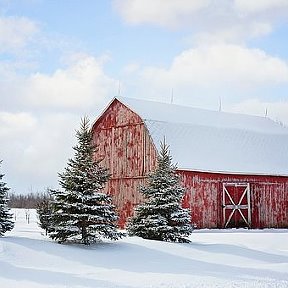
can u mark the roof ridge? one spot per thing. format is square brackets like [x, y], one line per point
[161, 111]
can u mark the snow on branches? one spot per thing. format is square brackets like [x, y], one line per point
[81, 212]
[161, 216]
[6, 224]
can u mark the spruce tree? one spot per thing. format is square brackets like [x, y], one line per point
[6, 224]
[44, 211]
[82, 212]
[161, 216]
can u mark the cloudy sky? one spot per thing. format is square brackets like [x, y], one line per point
[62, 59]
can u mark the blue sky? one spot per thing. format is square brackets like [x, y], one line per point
[62, 59]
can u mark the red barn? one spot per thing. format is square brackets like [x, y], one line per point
[234, 167]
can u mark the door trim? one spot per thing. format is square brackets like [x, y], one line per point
[236, 206]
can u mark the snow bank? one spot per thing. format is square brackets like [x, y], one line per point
[215, 258]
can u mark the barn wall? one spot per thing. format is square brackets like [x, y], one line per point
[127, 150]
[269, 198]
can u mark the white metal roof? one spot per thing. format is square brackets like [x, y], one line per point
[215, 141]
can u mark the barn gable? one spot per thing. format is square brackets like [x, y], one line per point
[123, 141]
[126, 148]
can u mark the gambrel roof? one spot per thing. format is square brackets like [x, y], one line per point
[204, 140]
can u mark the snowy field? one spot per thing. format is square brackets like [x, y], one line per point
[229, 258]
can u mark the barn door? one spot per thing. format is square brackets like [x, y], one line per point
[236, 205]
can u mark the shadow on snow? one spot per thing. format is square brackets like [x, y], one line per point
[137, 257]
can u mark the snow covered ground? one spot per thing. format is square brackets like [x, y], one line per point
[215, 258]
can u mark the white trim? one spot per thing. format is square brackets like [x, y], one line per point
[232, 173]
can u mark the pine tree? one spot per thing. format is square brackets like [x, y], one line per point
[6, 224]
[44, 211]
[161, 216]
[82, 212]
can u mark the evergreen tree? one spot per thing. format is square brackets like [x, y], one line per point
[44, 211]
[161, 216]
[6, 224]
[82, 212]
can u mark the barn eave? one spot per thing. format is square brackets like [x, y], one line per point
[241, 173]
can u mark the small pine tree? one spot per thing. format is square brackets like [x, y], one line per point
[161, 216]
[82, 212]
[6, 224]
[44, 211]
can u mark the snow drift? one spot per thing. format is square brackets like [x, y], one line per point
[215, 258]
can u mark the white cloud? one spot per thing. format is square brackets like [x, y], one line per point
[13, 124]
[202, 75]
[236, 34]
[51, 142]
[79, 86]
[276, 110]
[207, 13]
[35, 148]
[131, 68]
[161, 12]
[256, 6]
[258, 29]
[223, 64]
[15, 33]
[223, 20]
[36, 144]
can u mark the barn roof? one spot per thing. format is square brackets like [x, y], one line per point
[205, 140]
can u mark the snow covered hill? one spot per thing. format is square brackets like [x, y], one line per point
[215, 258]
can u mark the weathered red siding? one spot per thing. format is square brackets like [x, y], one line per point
[269, 198]
[127, 150]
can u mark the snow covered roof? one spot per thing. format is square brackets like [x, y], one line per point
[215, 141]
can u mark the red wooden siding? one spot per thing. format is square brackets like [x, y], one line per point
[269, 198]
[127, 150]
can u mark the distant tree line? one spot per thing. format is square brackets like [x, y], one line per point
[27, 201]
